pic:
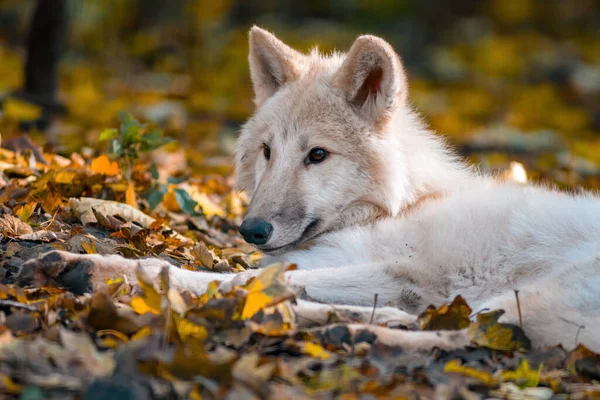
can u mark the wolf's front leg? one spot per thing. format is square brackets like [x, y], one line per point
[400, 284]
[83, 273]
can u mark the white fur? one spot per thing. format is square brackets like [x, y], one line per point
[466, 233]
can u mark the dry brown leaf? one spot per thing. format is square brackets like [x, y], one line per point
[449, 316]
[84, 207]
[12, 226]
[203, 254]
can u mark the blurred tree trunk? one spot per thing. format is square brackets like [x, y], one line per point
[47, 34]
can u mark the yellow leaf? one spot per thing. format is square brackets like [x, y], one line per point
[65, 176]
[114, 281]
[21, 110]
[51, 200]
[114, 284]
[316, 351]
[103, 165]
[89, 247]
[151, 301]
[254, 303]
[140, 306]
[195, 395]
[191, 359]
[212, 291]
[186, 328]
[9, 385]
[111, 338]
[130, 196]
[485, 377]
[266, 290]
[142, 333]
[523, 375]
[209, 207]
[335, 378]
[488, 332]
[25, 211]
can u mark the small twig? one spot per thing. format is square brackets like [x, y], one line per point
[483, 310]
[519, 309]
[374, 307]
[51, 220]
[579, 328]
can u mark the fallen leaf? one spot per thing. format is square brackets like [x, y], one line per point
[523, 375]
[248, 369]
[24, 212]
[488, 332]
[89, 246]
[130, 196]
[452, 316]
[315, 350]
[103, 165]
[151, 301]
[266, 289]
[12, 226]
[584, 363]
[484, 377]
[41, 236]
[203, 254]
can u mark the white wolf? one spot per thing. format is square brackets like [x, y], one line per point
[346, 182]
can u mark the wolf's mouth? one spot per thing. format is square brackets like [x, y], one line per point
[307, 234]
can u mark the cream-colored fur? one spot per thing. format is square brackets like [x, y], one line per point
[392, 212]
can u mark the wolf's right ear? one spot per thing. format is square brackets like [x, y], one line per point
[272, 64]
[372, 79]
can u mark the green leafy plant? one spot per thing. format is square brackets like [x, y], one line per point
[131, 139]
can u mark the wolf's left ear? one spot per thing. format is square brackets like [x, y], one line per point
[272, 64]
[372, 79]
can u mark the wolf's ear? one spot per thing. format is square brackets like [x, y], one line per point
[272, 64]
[372, 79]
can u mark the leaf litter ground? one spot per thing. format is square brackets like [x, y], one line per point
[152, 341]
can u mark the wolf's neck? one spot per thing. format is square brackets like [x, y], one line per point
[424, 166]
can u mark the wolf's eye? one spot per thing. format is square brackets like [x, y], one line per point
[266, 151]
[316, 156]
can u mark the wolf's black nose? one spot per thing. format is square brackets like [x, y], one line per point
[256, 230]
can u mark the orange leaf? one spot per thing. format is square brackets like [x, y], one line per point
[130, 197]
[103, 165]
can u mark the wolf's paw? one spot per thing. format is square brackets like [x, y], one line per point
[76, 272]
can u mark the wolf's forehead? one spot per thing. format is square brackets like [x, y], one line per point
[300, 111]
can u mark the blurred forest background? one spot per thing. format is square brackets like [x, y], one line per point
[504, 79]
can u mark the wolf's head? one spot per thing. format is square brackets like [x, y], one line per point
[319, 153]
